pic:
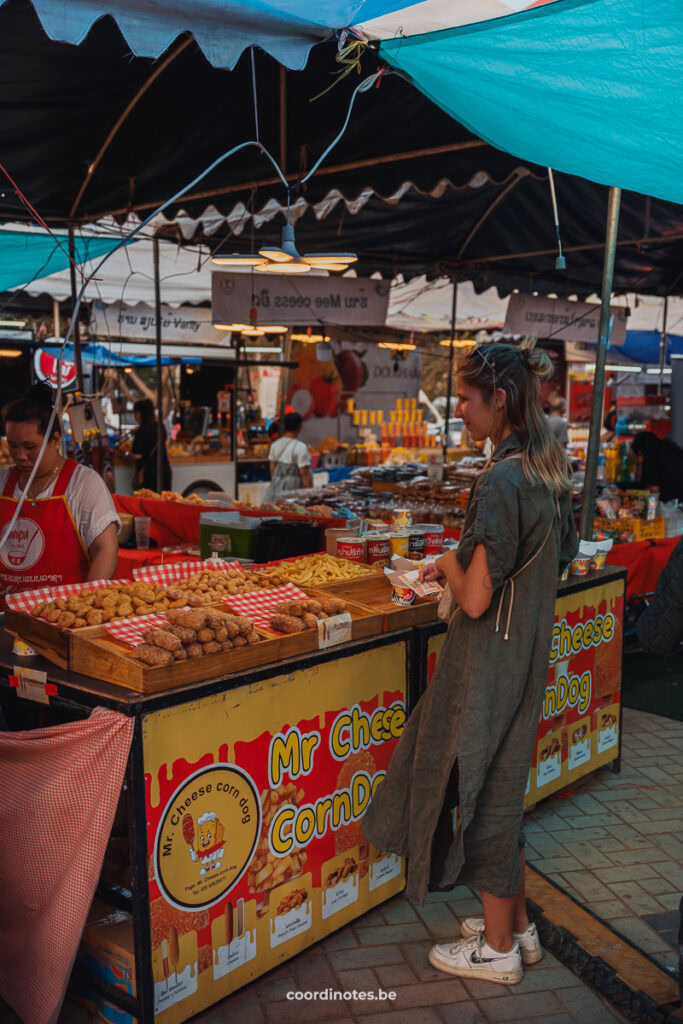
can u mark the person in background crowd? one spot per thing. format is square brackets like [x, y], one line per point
[610, 421]
[662, 465]
[453, 796]
[274, 431]
[145, 444]
[557, 420]
[290, 460]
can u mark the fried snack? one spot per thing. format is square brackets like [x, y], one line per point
[333, 606]
[211, 647]
[39, 609]
[194, 650]
[180, 654]
[315, 570]
[52, 614]
[152, 655]
[295, 899]
[227, 645]
[66, 619]
[286, 624]
[253, 637]
[221, 634]
[295, 608]
[206, 635]
[244, 624]
[185, 635]
[266, 871]
[313, 606]
[60, 604]
[191, 618]
[94, 617]
[79, 623]
[239, 641]
[347, 837]
[161, 638]
[342, 872]
[309, 620]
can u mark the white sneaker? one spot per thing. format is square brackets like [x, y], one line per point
[529, 942]
[474, 958]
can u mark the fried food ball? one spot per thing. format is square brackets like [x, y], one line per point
[80, 623]
[60, 604]
[295, 608]
[194, 650]
[221, 634]
[227, 645]
[52, 614]
[39, 609]
[212, 647]
[94, 617]
[239, 641]
[313, 606]
[206, 635]
[180, 654]
[245, 624]
[309, 620]
[66, 619]
[253, 637]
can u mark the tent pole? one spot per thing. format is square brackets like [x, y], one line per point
[233, 417]
[160, 400]
[662, 347]
[55, 318]
[76, 332]
[449, 390]
[590, 480]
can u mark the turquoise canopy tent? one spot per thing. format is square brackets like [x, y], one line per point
[28, 255]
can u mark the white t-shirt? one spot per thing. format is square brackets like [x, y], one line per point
[290, 450]
[92, 506]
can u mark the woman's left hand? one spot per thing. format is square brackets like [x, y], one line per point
[431, 573]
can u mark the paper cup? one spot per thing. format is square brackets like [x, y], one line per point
[143, 526]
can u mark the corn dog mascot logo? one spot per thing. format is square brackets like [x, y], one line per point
[207, 836]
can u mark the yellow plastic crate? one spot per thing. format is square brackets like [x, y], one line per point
[642, 529]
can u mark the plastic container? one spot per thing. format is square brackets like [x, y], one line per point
[402, 518]
[378, 549]
[143, 525]
[433, 537]
[416, 545]
[333, 533]
[227, 535]
[403, 596]
[353, 549]
[399, 544]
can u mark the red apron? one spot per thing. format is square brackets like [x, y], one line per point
[44, 547]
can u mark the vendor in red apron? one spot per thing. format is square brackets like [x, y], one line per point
[67, 528]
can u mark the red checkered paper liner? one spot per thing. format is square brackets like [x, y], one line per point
[26, 600]
[261, 604]
[130, 631]
[171, 572]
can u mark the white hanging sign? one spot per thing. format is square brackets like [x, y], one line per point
[561, 320]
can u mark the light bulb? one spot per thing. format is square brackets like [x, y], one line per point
[293, 267]
[276, 254]
[235, 260]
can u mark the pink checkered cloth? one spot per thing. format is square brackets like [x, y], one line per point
[172, 571]
[60, 787]
[261, 604]
[129, 631]
[26, 600]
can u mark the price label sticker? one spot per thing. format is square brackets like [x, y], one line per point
[32, 685]
[335, 630]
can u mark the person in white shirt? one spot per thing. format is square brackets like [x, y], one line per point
[290, 460]
[67, 527]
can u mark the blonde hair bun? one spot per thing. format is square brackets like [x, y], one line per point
[538, 361]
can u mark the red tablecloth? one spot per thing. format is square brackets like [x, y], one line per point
[130, 558]
[643, 561]
[174, 522]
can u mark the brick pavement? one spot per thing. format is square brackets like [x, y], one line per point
[616, 842]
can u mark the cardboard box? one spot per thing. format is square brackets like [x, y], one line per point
[107, 950]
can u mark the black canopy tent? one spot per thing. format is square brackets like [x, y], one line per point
[90, 131]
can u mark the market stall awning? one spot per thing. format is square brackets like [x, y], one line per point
[590, 87]
[101, 355]
[26, 254]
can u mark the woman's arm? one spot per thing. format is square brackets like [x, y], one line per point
[472, 590]
[103, 554]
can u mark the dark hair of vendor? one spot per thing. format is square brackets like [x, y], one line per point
[145, 407]
[34, 407]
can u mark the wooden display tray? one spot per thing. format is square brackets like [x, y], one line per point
[374, 593]
[47, 638]
[96, 653]
[365, 622]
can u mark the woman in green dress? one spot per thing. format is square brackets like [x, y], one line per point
[468, 744]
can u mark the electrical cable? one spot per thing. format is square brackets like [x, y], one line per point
[364, 86]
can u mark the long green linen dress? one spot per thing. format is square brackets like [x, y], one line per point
[469, 741]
